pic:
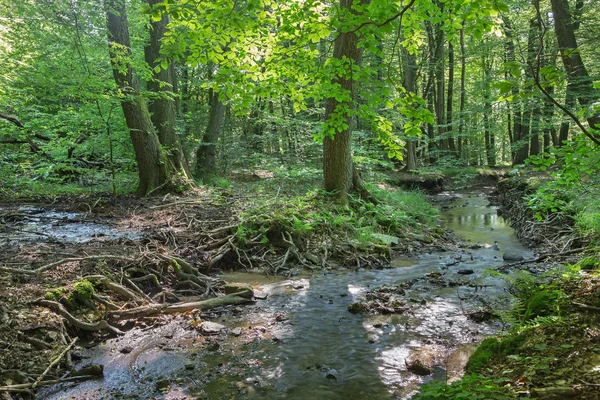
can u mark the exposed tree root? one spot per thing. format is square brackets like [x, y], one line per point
[46, 267]
[86, 326]
[152, 309]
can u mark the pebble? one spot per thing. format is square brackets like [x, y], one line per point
[211, 328]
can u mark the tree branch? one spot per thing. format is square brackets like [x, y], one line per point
[12, 119]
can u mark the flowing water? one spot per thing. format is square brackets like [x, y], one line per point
[37, 225]
[302, 343]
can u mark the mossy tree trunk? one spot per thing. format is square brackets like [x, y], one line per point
[163, 107]
[337, 150]
[206, 154]
[151, 161]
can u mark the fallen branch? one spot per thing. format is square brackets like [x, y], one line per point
[24, 386]
[86, 326]
[46, 267]
[53, 363]
[151, 309]
[586, 307]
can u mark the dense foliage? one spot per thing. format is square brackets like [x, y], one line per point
[457, 83]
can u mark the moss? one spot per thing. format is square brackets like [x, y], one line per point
[176, 266]
[543, 303]
[83, 290]
[492, 348]
[55, 294]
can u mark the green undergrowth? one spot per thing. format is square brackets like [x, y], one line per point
[91, 183]
[552, 346]
[315, 222]
[569, 186]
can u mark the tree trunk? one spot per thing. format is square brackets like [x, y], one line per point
[565, 126]
[438, 40]
[337, 150]
[520, 146]
[490, 148]
[577, 75]
[410, 78]
[206, 154]
[449, 100]
[151, 160]
[164, 108]
[533, 47]
[463, 71]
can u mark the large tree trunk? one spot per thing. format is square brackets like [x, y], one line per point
[410, 78]
[519, 144]
[461, 110]
[207, 152]
[438, 38]
[490, 142]
[164, 108]
[449, 100]
[337, 150]
[533, 47]
[577, 75]
[150, 158]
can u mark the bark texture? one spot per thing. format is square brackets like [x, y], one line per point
[207, 152]
[149, 156]
[577, 75]
[337, 151]
[163, 108]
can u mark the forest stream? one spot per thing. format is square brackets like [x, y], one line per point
[299, 341]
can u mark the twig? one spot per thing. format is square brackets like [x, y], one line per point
[53, 363]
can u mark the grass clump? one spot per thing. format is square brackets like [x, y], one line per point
[314, 223]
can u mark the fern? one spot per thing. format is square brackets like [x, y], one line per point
[539, 322]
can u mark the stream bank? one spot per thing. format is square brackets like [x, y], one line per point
[552, 348]
[301, 341]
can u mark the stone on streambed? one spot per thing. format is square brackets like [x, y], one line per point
[512, 256]
[465, 271]
[240, 289]
[211, 328]
[418, 368]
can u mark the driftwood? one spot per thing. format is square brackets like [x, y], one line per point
[46, 267]
[86, 326]
[151, 309]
